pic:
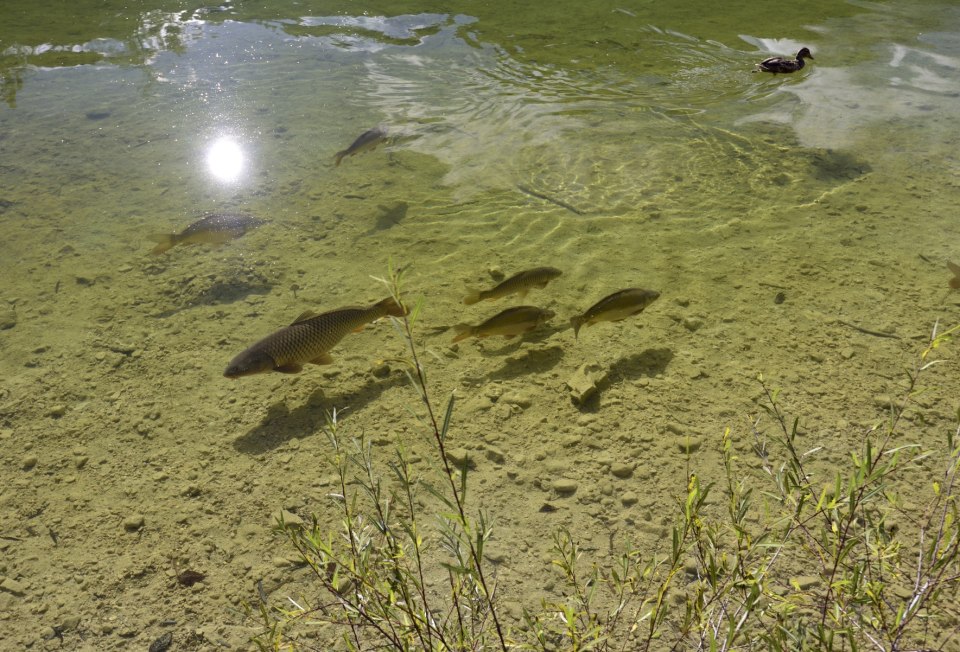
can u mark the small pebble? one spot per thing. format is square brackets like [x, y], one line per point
[692, 324]
[521, 399]
[495, 455]
[629, 498]
[883, 401]
[622, 470]
[162, 644]
[564, 486]
[688, 445]
[70, 623]
[8, 318]
[805, 581]
[11, 585]
[29, 462]
[133, 522]
[675, 428]
[461, 457]
[290, 519]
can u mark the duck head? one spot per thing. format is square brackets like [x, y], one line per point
[804, 53]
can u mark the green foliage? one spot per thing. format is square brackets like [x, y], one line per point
[404, 568]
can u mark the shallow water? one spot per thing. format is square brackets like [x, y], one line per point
[628, 145]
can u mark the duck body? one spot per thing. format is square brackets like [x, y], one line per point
[780, 64]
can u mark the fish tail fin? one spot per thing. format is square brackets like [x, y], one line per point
[576, 322]
[391, 307]
[164, 241]
[339, 157]
[463, 332]
[473, 296]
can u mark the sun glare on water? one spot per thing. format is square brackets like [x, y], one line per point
[225, 159]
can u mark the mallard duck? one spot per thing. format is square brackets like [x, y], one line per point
[779, 64]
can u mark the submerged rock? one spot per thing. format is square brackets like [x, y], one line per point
[461, 457]
[10, 585]
[564, 486]
[8, 318]
[585, 382]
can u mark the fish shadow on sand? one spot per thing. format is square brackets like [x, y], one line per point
[647, 363]
[830, 165]
[229, 290]
[389, 217]
[281, 424]
[529, 361]
[213, 289]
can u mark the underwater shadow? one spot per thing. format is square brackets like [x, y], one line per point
[390, 216]
[830, 165]
[209, 289]
[531, 361]
[281, 424]
[648, 363]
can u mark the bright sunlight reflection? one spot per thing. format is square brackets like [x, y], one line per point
[225, 159]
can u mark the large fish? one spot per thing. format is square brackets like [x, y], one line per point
[520, 283]
[307, 340]
[367, 140]
[617, 306]
[509, 323]
[213, 228]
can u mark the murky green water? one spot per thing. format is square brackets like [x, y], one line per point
[627, 144]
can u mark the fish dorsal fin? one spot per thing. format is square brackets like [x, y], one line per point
[304, 316]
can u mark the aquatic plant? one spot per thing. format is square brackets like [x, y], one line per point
[776, 561]
[381, 572]
[875, 573]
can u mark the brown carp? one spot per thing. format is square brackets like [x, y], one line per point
[307, 340]
[367, 140]
[213, 228]
[520, 283]
[509, 323]
[617, 306]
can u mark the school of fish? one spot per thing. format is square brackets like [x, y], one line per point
[311, 336]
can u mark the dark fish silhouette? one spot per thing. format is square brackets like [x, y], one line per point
[616, 307]
[213, 228]
[520, 283]
[307, 340]
[367, 140]
[509, 323]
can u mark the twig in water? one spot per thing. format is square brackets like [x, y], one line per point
[552, 200]
[868, 331]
